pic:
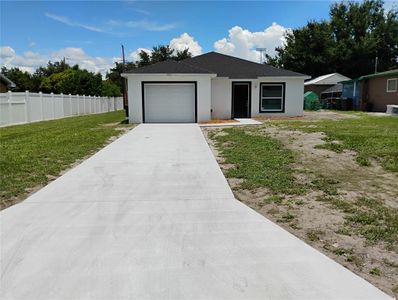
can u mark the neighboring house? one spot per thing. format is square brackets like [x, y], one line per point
[5, 84]
[373, 92]
[333, 92]
[321, 83]
[212, 86]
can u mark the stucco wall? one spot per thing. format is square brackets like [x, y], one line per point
[135, 93]
[377, 93]
[221, 90]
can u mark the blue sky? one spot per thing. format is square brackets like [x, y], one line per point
[90, 32]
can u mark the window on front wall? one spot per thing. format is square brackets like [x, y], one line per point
[391, 85]
[272, 97]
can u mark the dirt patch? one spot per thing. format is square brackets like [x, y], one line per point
[312, 116]
[320, 217]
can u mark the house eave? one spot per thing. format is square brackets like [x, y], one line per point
[127, 75]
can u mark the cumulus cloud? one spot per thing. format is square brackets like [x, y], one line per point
[185, 41]
[243, 43]
[29, 61]
[133, 56]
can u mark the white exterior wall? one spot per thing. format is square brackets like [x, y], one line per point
[221, 98]
[221, 93]
[135, 93]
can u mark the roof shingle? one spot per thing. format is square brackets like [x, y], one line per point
[216, 63]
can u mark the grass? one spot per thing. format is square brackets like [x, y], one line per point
[259, 160]
[369, 218]
[370, 136]
[32, 153]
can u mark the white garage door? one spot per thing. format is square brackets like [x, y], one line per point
[169, 102]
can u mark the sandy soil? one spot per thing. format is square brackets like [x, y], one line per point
[316, 222]
[312, 116]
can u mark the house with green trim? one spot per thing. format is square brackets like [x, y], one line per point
[372, 92]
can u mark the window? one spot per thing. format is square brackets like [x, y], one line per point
[391, 85]
[272, 97]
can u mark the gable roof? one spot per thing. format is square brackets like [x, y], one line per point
[332, 78]
[220, 64]
[233, 67]
[170, 66]
[8, 81]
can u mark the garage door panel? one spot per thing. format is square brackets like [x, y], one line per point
[169, 103]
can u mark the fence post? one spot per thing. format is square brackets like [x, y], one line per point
[70, 104]
[9, 107]
[62, 101]
[52, 105]
[41, 106]
[78, 104]
[84, 104]
[27, 107]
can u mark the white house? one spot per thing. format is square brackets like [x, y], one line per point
[212, 86]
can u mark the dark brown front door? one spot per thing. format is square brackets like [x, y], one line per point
[241, 100]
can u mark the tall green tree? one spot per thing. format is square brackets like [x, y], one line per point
[348, 43]
[22, 79]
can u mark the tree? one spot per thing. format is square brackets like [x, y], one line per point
[348, 43]
[161, 53]
[110, 89]
[114, 74]
[22, 79]
[184, 54]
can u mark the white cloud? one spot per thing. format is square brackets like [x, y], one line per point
[243, 43]
[133, 56]
[186, 41]
[67, 21]
[29, 61]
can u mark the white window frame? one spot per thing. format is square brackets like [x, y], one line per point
[282, 97]
[396, 84]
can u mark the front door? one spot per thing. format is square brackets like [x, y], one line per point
[241, 100]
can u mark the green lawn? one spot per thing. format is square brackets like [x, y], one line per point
[259, 160]
[32, 153]
[370, 136]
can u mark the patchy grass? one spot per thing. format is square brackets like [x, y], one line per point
[32, 154]
[259, 160]
[370, 136]
[341, 202]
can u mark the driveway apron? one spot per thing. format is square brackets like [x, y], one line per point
[151, 216]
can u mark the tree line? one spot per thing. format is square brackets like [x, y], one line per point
[347, 43]
[59, 77]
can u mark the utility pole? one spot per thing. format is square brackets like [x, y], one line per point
[376, 63]
[262, 54]
[125, 98]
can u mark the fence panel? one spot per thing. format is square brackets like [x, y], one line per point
[19, 108]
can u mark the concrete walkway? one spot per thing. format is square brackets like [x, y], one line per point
[151, 216]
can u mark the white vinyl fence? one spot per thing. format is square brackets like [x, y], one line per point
[18, 108]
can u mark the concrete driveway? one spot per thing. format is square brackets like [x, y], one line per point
[151, 216]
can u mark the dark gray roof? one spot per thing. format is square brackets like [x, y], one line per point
[337, 88]
[233, 67]
[216, 63]
[170, 66]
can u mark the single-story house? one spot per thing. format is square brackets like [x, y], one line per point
[6, 84]
[212, 86]
[373, 92]
[322, 83]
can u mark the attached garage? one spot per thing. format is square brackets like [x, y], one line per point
[169, 102]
